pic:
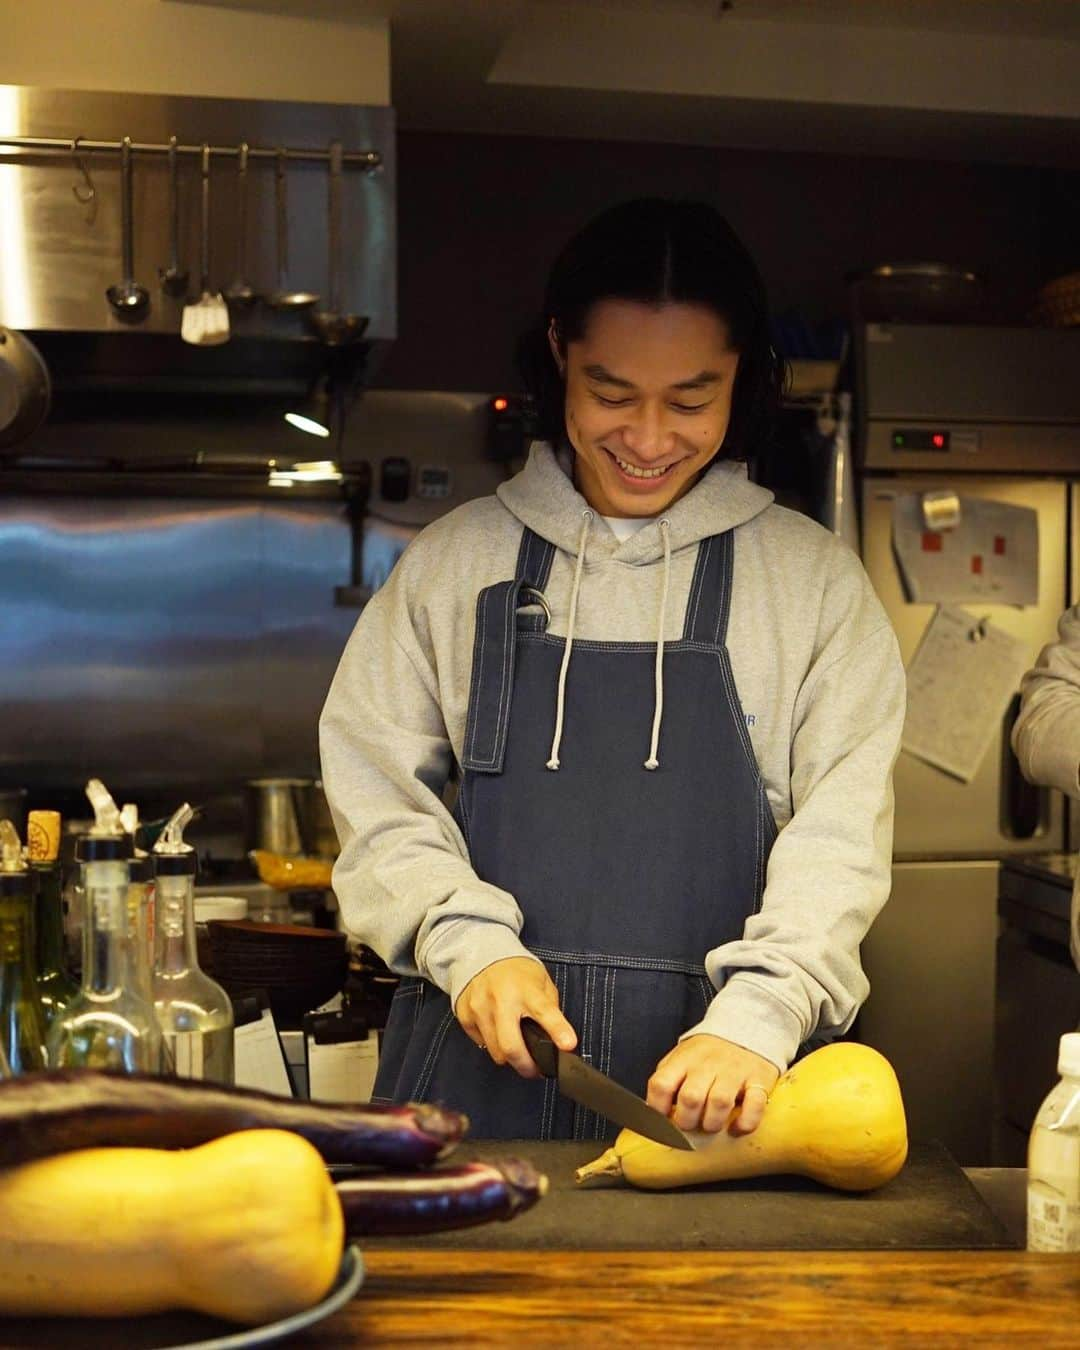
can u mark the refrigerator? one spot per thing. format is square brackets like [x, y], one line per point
[967, 414]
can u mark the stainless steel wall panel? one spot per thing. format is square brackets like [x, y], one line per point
[173, 642]
[306, 551]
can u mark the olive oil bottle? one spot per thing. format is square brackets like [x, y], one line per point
[22, 1032]
[194, 1012]
[56, 986]
[109, 1024]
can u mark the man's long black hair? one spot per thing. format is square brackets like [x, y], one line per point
[657, 251]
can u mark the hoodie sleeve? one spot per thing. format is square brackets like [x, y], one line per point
[403, 877]
[795, 974]
[1046, 736]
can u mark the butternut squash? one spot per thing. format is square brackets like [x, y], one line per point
[836, 1116]
[247, 1227]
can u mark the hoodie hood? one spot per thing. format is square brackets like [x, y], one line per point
[544, 498]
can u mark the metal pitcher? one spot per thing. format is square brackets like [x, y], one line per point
[280, 814]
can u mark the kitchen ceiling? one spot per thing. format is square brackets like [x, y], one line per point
[989, 80]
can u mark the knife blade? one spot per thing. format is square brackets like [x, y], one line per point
[589, 1087]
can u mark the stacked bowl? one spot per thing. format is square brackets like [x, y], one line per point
[298, 968]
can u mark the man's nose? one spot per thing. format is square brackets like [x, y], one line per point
[647, 433]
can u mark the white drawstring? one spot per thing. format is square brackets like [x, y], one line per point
[560, 705]
[658, 707]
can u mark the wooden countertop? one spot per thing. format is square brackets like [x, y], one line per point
[835, 1299]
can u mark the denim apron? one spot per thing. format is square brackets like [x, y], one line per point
[626, 878]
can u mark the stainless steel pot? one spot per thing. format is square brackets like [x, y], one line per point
[280, 814]
[24, 387]
[916, 292]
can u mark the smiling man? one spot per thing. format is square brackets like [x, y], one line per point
[644, 427]
[674, 821]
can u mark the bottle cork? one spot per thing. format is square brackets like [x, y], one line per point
[43, 835]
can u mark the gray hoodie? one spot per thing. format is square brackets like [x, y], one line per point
[820, 684]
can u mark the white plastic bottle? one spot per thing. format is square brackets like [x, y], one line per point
[1053, 1204]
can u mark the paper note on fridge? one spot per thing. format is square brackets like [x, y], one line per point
[960, 682]
[977, 550]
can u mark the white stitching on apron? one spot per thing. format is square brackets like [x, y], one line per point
[629, 962]
[434, 1050]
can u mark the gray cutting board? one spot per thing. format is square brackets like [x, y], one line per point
[929, 1205]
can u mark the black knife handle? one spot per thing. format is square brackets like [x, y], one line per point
[542, 1048]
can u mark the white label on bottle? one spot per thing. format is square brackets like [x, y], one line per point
[1053, 1223]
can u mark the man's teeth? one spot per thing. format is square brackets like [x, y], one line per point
[635, 472]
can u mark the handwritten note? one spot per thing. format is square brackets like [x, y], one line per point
[960, 682]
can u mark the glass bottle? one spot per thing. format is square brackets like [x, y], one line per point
[56, 986]
[1053, 1199]
[21, 1021]
[108, 1024]
[194, 1012]
[140, 908]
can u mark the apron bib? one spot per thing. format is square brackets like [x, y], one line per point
[626, 878]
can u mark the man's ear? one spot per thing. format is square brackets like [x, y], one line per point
[556, 348]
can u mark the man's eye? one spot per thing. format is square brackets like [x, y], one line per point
[611, 402]
[689, 407]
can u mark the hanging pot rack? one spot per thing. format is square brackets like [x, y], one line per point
[55, 146]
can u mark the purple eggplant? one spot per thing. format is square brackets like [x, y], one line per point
[450, 1197]
[56, 1112]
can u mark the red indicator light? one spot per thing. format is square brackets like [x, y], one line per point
[938, 440]
[500, 404]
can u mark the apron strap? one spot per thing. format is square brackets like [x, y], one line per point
[492, 677]
[534, 560]
[492, 681]
[709, 603]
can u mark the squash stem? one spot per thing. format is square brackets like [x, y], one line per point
[609, 1164]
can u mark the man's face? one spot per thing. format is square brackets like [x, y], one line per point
[648, 401]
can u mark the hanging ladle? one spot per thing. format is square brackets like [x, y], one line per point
[283, 298]
[335, 328]
[239, 294]
[128, 299]
[174, 278]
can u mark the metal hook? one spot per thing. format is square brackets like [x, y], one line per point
[83, 195]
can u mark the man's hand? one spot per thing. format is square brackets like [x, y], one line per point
[706, 1078]
[492, 1004]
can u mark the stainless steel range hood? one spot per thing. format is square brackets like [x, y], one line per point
[60, 252]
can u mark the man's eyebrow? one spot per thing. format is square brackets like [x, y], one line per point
[601, 375]
[700, 380]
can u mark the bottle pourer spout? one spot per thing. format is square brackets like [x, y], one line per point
[106, 816]
[11, 859]
[171, 839]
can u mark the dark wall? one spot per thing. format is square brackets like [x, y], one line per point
[480, 219]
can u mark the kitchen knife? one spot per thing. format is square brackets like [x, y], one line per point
[589, 1087]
